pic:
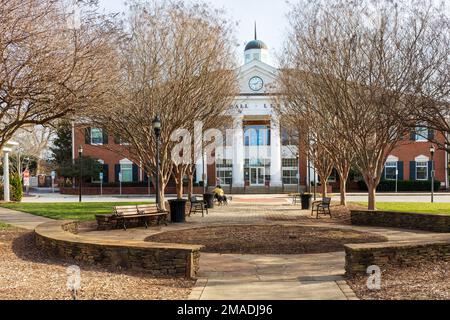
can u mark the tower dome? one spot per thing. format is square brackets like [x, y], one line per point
[256, 50]
[256, 44]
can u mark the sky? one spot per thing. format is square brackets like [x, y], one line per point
[270, 17]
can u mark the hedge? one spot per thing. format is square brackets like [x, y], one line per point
[15, 188]
[403, 186]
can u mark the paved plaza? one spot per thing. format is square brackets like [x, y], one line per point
[242, 277]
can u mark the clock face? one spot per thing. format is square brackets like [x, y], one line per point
[256, 83]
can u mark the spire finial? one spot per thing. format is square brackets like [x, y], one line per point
[256, 36]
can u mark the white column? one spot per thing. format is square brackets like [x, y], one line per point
[238, 153]
[275, 153]
[199, 169]
[6, 195]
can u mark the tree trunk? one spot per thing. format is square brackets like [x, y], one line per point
[180, 184]
[38, 167]
[325, 190]
[343, 186]
[372, 196]
[162, 198]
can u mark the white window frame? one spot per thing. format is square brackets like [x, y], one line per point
[391, 164]
[221, 167]
[422, 164]
[126, 162]
[290, 168]
[92, 141]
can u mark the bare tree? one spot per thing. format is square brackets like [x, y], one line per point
[322, 162]
[176, 65]
[49, 67]
[326, 150]
[361, 62]
[33, 142]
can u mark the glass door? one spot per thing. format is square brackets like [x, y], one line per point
[257, 176]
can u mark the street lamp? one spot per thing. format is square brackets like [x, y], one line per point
[80, 158]
[7, 149]
[157, 129]
[298, 173]
[432, 152]
[315, 184]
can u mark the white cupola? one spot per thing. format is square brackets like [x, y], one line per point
[256, 50]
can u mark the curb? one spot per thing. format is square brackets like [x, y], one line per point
[347, 290]
[198, 289]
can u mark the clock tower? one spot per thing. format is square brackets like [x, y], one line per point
[256, 50]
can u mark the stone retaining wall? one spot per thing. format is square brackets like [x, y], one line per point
[360, 256]
[59, 239]
[414, 221]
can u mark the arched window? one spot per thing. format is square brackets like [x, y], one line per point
[422, 166]
[126, 169]
[391, 168]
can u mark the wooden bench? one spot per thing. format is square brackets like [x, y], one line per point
[146, 212]
[152, 211]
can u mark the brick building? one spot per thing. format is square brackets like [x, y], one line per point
[262, 157]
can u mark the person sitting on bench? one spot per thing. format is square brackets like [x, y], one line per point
[219, 195]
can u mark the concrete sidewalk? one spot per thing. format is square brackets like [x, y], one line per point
[272, 277]
[21, 219]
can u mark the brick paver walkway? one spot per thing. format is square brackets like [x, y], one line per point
[283, 277]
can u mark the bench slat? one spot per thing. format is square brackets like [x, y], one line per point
[126, 211]
[142, 215]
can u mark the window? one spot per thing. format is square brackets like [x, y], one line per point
[127, 172]
[333, 176]
[290, 163]
[421, 134]
[96, 136]
[257, 136]
[391, 170]
[290, 177]
[225, 177]
[421, 170]
[97, 178]
[290, 171]
[224, 172]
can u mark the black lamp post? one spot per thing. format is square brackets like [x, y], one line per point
[157, 129]
[298, 173]
[80, 159]
[432, 152]
[315, 184]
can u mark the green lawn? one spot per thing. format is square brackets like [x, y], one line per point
[442, 208]
[85, 211]
[4, 226]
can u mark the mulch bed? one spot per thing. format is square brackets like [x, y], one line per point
[340, 215]
[270, 239]
[28, 274]
[430, 281]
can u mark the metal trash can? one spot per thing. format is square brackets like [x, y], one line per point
[209, 200]
[178, 210]
[306, 201]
